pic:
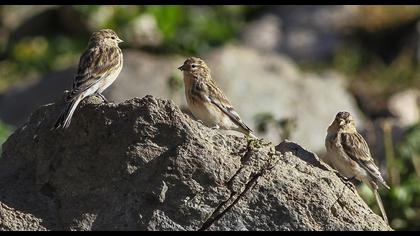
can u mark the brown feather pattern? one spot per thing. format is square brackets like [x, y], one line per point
[96, 63]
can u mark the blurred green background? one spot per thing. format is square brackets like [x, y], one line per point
[377, 50]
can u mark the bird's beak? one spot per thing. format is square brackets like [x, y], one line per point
[120, 40]
[181, 68]
[342, 122]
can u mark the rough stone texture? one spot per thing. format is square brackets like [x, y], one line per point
[13, 220]
[144, 165]
[255, 83]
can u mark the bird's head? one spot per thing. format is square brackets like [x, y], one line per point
[195, 67]
[343, 121]
[104, 37]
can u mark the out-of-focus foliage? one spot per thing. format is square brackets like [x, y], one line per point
[8, 74]
[379, 56]
[365, 60]
[373, 18]
[370, 74]
[405, 199]
[4, 133]
[33, 56]
[184, 29]
[197, 29]
[175, 83]
[402, 201]
[40, 54]
[284, 127]
[172, 29]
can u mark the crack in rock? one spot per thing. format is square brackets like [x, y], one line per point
[235, 196]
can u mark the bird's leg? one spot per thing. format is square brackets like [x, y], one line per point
[215, 127]
[199, 121]
[349, 182]
[102, 97]
[349, 179]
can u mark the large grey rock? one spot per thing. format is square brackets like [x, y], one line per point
[255, 82]
[144, 165]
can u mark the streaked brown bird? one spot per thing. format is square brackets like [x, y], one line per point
[349, 154]
[99, 66]
[207, 101]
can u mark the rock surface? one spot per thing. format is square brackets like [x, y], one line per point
[255, 82]
[144, 165]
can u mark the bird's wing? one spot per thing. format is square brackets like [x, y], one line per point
[95, 63]
[216, 96]
[356, 148]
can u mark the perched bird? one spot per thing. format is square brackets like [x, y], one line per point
[207, 101]
[349, 154]
[99, 66]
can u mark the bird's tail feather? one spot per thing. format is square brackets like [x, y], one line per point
[64, 119]
[250, 134]
[385, 184]
[381, 205]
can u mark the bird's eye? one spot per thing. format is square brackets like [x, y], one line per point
[113, 37]
[192, 66]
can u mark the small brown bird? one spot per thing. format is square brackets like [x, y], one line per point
[99, 66]
[207, 101]
[349, 154]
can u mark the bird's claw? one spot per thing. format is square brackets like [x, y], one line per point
[349, 182]
[215, 127]
[102, 97]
